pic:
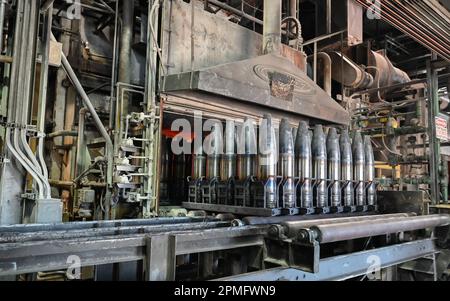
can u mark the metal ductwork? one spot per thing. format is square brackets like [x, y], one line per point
[348, 73]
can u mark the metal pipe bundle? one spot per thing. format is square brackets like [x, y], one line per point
[247, 151]
[347, 169]
[267, 161]
[319, 148]
[359, 160]
[303, 154]
[287, 163]
[334, 167]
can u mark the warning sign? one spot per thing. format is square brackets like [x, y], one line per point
[442, 128]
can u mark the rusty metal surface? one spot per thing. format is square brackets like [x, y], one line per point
[402, 201]
[251, 80]
[354, 23]
[209, 45]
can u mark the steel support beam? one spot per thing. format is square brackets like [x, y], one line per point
[346, 266]
[160, 260]
[50, 255]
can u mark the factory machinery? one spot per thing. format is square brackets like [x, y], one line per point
[316, 174]
[223, 140]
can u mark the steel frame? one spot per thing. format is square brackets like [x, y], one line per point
[347, 266]
[158, 249]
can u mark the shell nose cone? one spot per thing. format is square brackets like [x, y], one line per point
[319, 143]
[267, 142]
[286, 138]
[214, 141]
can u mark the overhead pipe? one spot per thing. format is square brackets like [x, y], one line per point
[404, 25]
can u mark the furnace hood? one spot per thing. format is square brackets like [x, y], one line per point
[269, 80]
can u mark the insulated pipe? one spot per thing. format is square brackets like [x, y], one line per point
[354, 230]
[291, 228]
[272, 26]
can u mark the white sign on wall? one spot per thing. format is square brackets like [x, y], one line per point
[442, 128]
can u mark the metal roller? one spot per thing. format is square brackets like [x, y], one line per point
[291, 228]
[303, 153]
[287, 163]
[319, 148]
[272, 220]
[347, 169]
[354, 230]
[359, 161]
[334, 167]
